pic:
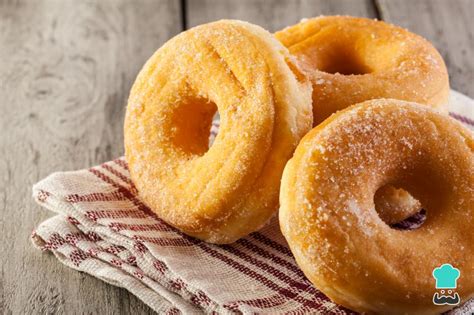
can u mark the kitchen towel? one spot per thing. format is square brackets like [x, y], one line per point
[102, 228]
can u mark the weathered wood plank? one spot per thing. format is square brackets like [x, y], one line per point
[274, 14]
[448, 25]
[66, 69]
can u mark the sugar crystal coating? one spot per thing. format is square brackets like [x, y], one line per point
[327, 211]
[224, 192]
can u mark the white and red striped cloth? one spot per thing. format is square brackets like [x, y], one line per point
[102, 228]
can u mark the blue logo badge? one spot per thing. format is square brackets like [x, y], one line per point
[446, 277]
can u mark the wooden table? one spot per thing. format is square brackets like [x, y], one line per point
[66, 67]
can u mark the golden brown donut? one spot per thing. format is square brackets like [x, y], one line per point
[351, 60]
[224, 192]
[328, 217]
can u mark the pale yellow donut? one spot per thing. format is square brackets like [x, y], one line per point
[224, 192]
[328, 217]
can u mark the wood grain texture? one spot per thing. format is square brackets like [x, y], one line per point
[448, 25]
[273, 14]
[66, 68]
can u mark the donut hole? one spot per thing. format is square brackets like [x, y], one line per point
[398, 208]
[349, 52]
[343, 60]
[333, 56]
[193, 131]
[425, 177]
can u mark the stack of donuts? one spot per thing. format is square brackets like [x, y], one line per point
[339, 124]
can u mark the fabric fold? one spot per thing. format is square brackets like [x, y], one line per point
[102, 228]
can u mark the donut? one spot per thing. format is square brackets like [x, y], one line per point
[327, 213]
[219, 193]
[350, 60]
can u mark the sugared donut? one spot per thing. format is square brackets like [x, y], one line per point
[351, 60]
[328, 217]
[224, 192]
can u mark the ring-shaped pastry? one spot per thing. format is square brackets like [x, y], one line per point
[328, 216]
[350, 60]
[224, 192]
